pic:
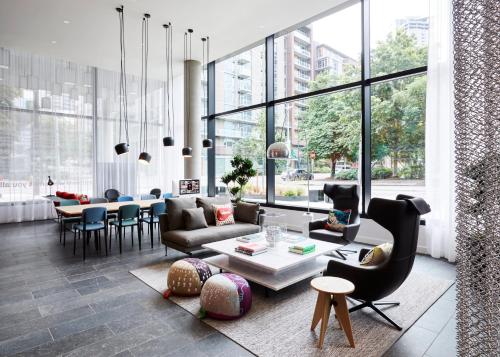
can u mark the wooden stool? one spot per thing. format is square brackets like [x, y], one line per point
[332, 291]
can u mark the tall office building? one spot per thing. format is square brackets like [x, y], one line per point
[416, 26]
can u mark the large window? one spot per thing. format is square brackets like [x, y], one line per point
[240, 80]
[241, 134]
[350, 104]
[324, 134]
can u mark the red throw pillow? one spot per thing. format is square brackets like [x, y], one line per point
[223, 214]
[71, 196]
[64, 194]
[58, 193]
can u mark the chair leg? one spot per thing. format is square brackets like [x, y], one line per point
[132, 234]
[105, 242]
[60, 230]
[166, 252]
[120, 237]
[151, 233]
[64, 238]
[395, 303]
[372, 306]
[74, 242]
[158, 231]
[139, 236]
[84, 243]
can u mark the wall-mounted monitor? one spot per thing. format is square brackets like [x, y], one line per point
[189, 187]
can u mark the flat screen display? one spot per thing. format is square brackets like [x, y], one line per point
[189, 187]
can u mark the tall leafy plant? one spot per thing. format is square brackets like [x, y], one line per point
[236, 180]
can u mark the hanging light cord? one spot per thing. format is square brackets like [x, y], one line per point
[203, 39]
[169, 87]
[144, 84]
[123, 78]
[185, 82]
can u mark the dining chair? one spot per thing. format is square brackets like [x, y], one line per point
[154, 218]
[99, 200]
[128, 216]
[156, 192]
[93, 219]
[111, 194]
[125, 198]
[148, 197]
[168, 195]
[63, 221]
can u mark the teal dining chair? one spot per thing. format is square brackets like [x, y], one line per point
[128, 216]
[153, 219]
[125, 198]
[64, 221]
[93, 219]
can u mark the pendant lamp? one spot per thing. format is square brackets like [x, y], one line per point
[279, 149]
[122, 147]
[187, 151]
[207, 143]
[168, 108]
[144, 156]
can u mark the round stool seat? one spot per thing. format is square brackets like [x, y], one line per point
[187, 276]
[225, 296]
[332, 285]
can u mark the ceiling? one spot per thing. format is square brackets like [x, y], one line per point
[92, 35]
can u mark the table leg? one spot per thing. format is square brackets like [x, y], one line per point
[151, 233]
[318, 311]
[327, 306]
[342, 313]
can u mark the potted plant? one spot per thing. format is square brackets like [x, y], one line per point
[236, 180]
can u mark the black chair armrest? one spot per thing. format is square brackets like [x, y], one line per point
[317, 224]
[362, 253]
[351, 230]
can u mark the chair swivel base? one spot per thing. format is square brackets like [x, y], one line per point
[338, 253]
[372, 306]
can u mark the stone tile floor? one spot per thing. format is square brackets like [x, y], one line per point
[52, 303]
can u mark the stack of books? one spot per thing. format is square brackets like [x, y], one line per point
[250, 238]
[251, 248]
[302, 248]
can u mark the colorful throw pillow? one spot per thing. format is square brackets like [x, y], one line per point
[377, 255]
[224, 214]
[337, 220]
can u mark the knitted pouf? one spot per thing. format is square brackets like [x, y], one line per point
[187, 276]
[225, 296]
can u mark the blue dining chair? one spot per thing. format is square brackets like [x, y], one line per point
[154, 218]
[148, 197]
[93, 220]
[67, 220]
[125, 198]
[168, 195]
[128, 216]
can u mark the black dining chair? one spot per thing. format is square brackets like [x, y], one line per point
[401, 217]
[156, 192]
[112, 194]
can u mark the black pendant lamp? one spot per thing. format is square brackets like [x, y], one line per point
[144, 156]
[187, 151]
[168, 108]
[122, 147]
[207, 143]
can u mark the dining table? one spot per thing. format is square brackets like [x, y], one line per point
[111, 207]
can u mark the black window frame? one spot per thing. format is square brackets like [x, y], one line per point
[364, 84]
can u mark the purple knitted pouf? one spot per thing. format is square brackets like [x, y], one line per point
[225, 296]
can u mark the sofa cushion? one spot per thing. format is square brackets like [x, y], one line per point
[247, 212]
[196, 238]
[193, 218]
[207, 204]
[174, 209]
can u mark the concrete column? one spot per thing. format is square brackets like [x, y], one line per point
[192, 119]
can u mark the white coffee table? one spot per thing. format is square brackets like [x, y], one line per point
[275, 269]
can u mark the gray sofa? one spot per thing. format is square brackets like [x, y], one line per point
[175, 235]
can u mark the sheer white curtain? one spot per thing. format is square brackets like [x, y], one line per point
[124, 172]
[45, 129]
[439, 138]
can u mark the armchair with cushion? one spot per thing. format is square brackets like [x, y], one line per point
[401, 217]
[344, 197]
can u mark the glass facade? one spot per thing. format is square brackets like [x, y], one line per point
[320, 83]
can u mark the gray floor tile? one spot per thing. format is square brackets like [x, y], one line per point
[217, 345]
[445, 343]
[437, 316]
[24, 342]
[161, 345]
[69, 343]
[413, 343]
[20, 317]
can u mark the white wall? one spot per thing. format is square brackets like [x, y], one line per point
[369, 232]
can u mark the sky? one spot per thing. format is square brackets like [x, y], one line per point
[342, 30]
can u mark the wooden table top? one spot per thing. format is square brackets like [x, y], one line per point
[332, 285]
[76, 210]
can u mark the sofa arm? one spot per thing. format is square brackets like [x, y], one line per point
[317, 224]
[163, 222]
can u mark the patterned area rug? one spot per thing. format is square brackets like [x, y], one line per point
[279, 325]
